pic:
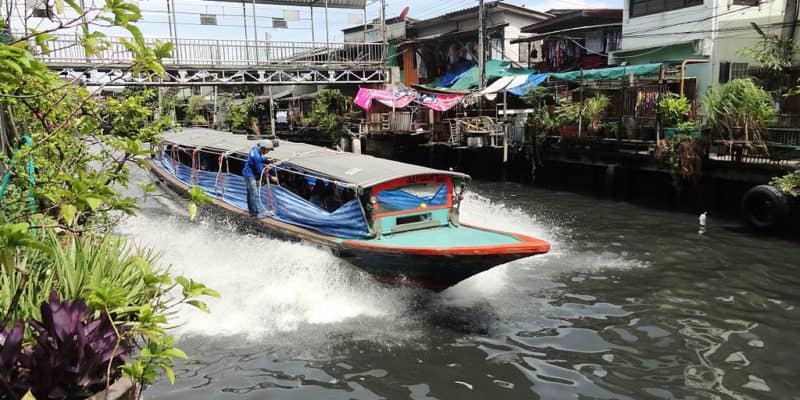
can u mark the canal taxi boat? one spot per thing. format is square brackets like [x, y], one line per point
[399, 222]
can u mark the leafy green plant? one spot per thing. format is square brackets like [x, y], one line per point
[540, 119]
[63, 188]
[687, 128]
[773, 53]
[673, 109]
[237, 118]
[593, 109]
[788, 184]
[739, 105]
[567, 112]
[327, 113]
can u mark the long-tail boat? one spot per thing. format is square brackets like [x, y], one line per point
[398, 221]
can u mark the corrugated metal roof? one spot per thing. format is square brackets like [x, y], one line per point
[356, 169]
[352, 4]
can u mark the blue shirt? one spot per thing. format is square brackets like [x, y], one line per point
[254, 164]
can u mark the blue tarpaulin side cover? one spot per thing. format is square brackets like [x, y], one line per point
[399, 199]
[345, 222]
[533, 81]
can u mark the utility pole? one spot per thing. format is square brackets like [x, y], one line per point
[383, 31]
[327, 33]
[481, 43]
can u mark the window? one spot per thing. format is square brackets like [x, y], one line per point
[746, 2]
[524, 51]
[647, 7]
[729, 71]
[738, 70]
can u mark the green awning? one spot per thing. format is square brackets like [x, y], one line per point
[392, 56]
[608, 73]
[494, 69]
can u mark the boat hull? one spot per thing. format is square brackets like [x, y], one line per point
[433, 268]
[432, 272]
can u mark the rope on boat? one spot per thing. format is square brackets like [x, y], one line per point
[195, 164]
[220, 181]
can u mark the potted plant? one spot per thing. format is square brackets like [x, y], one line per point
[611, 129]
[673, 110]
[540, 121]
[567, 114]
[593, 110]
[739, 110]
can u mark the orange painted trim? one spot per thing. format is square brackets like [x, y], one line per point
[528, 246]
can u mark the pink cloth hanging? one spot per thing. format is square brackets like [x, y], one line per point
[365, 96]
[440, 101]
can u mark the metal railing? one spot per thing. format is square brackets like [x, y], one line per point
[67, 50]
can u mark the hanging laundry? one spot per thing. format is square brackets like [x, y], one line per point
[594, 42]
[422, 71]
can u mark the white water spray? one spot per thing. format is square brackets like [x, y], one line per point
[270, 286]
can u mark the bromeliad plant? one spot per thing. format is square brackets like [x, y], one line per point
[112, 282]
[71, 354]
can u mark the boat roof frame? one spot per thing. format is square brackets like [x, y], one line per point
[360, 170]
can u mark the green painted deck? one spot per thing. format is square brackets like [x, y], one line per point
[445, 236]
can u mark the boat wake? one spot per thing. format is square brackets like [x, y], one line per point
[271, 287]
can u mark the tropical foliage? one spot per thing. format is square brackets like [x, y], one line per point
[739, 105]
[62, 189]
[674, 109]
[328, 112]
[594, 108]
[788, 184]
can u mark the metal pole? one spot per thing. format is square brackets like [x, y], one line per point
[244, 24]
[383, 31]
[216, 107]
[365, 24]
[505, 126]
[580, 113]
[171, 24]
[482, 55]
[327, 39]
[313, 37]
[271, 112]
[255, 29]
[175, 31]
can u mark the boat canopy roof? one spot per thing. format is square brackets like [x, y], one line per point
[360, 170]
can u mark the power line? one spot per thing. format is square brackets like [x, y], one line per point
[688, 22]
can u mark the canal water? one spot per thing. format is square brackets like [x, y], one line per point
[631, 303]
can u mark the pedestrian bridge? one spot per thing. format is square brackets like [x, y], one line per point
[226, 62]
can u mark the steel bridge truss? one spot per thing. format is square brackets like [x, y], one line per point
[224, 77]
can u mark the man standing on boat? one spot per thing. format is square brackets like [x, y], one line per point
[252, 172]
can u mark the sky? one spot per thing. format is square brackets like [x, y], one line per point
[231, 24]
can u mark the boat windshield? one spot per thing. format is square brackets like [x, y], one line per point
[414, 194]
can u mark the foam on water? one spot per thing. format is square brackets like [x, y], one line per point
[270, 286]
[267, 285]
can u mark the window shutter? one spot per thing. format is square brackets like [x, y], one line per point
[724, 72]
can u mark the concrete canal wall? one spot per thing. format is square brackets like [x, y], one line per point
[628, 177]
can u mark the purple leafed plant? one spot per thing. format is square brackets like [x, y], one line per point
[10, 347]
[69, 356]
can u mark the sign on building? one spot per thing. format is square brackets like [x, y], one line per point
[208, 19]
[279, 23]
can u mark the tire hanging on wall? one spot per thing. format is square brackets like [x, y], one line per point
[765, 208]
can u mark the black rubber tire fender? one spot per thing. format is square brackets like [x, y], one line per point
[765, 207]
